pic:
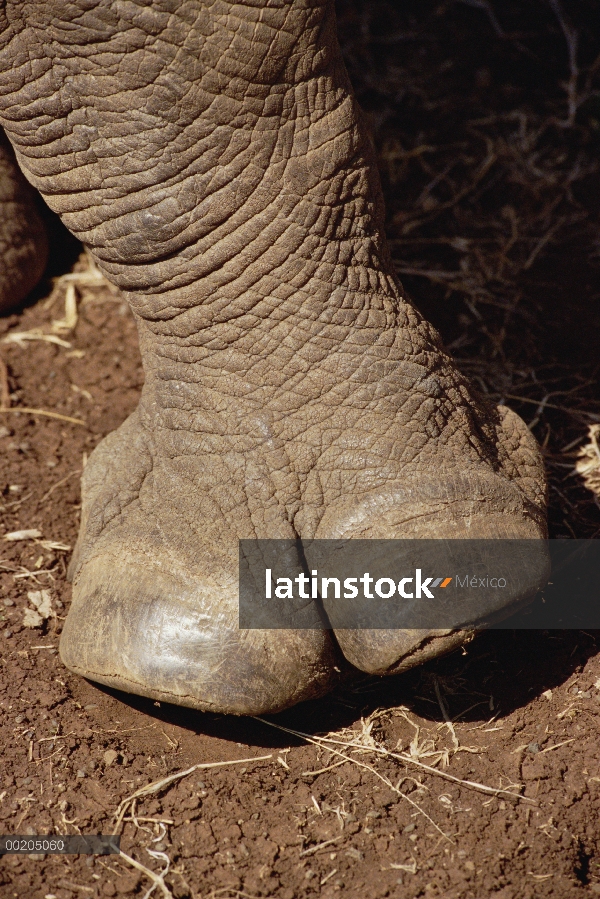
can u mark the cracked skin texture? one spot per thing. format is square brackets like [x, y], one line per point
[212, 157]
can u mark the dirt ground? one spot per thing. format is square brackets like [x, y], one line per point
[477, 775]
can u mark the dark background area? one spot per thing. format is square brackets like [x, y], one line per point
[486, 118]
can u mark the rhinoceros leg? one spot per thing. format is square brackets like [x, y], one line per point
[212, 157]
[23, 241]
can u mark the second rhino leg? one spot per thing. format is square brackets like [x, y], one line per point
[213, 159]
[23, 240]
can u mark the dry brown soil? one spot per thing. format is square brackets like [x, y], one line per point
[492, 185]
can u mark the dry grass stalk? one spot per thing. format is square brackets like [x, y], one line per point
[85, 281]
[17, 536]
[158, 785]
[313, 849]
[410, 869]
[58, 484]
[588, 462]
[45, 413]
[395, 788]
[157, 879]
[69, 322]
[129, 804]
[221, 891]
[445, 713]
[21, 338]
[330, 742]
[74, 887]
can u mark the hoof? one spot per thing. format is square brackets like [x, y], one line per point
[160, 633]
[477, 508]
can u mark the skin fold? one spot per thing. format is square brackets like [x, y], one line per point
[212, 157]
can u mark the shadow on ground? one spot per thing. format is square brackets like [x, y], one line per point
[495, 675]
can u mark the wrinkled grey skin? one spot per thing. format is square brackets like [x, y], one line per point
[212, 157]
